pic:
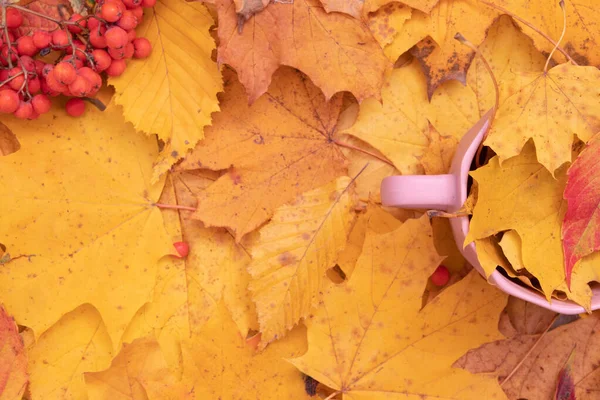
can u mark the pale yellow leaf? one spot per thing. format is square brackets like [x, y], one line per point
[174, 91]
[293, 252]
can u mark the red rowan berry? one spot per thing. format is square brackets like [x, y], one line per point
[116, 37]
[116, 68]
[102, 59]
[60, 39]
[65, 72]
[26, 47]
[440, 276]
[81, 23]
[75, 107]
[14, 18]
[24, 110]
[9, 101]
[41, 39]
[41, 103]
[112, 11]
[128, 20]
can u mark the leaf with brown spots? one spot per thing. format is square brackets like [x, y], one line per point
[13, 360]
[371, 339]
[538, 376]
[336, 51]
[187, 290]
[279, 147]
[76, 344]
[549, 107]
[441, 56]
[8, 141]
[293, 252]
[581, 40]
[78, 219]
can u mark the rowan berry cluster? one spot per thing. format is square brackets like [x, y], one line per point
[37, 64]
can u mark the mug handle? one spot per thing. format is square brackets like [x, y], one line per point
[437, 192]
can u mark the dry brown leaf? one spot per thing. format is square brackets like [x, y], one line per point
[336, 51]
[536, 378]
[8, 141]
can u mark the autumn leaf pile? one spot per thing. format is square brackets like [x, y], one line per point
[258, 133]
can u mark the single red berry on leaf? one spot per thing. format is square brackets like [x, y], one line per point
[41, 103]
[9, 101]
[75, 107]
[14, 18]
[41, 39]
[143, 48]
[183, 249]
[440, 276]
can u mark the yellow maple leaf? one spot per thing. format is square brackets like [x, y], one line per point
[217, 364]
[76, 344]
[455, 107]
[13, 359]
[397, 128]
[370, 338]
[442, 56]
[549, 107]
[378, 221]
[386, 22]
[581, 33]
[336, 51]
[187, 291]
[174, 91]
[280, 146]
[137, 366]
[292, 253]
[77, 206]
[523, 196]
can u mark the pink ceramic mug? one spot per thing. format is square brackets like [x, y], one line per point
[449, 192]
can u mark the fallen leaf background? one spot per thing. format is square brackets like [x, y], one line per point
[263, 145]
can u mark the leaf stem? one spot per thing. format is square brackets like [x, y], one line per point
[332, 395]
[174, 207]
[352, 147]
[562, 35]
[528, 24]
[529, 352]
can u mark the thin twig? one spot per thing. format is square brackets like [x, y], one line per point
[521, 20]
[529, 352]
[352, 147]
